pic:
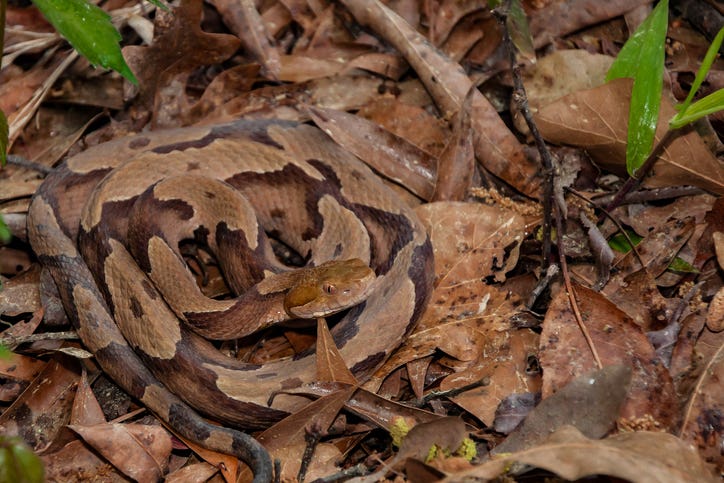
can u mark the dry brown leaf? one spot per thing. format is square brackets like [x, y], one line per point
[564, 354]
[43, 409]
[456, 167]
[86, 409]
[178, 48]
[286, 439]
[18, 367]
[76, 462]
[412, 122]
[597, 120]
[20, 294]
[388, 154]
[370, 406]
[470, 242]
[702, 425]
[192, 473]
[330, 364]
[503, 364]
[228, 465]
[244, 20]
[641, 457]
[495, 145]
[140, 451]
[557, 19]
[559, 74]
[590, 403]
[715, 316]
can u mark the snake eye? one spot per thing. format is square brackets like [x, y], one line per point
[329, 288]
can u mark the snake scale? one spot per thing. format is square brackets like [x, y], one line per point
[296, 179]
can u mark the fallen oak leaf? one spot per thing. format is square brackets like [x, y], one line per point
[496, 147]
[597, 120]
[140, 451]
[638, 457]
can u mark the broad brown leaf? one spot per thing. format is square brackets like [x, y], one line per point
[639, 457]
[564, 354]
[178, 48]
[495, 145]
[140, 451]
[597, 120]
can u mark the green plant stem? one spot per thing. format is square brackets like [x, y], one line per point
[633, 181]
[3, 8]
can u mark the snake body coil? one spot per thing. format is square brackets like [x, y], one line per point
[294, 176]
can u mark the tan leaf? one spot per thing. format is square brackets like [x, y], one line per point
[140, 451]
[286, 439]
[471, 243]
[702, 425]
[86, 409]
[330, 364]
[597, 120]
[503, 365]
[390, 155]
[495, 145]
[640, 457]
[564, 354]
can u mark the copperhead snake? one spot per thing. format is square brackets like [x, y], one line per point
[305, 190]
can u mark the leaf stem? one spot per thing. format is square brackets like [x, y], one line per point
[633, 181]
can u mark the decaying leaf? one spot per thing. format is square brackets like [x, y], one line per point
[597, 119]
[639, 457]
[591, 403]
[565, 354]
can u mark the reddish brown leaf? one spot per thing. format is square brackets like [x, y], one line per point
[330, 364]
[560, 18]
[640, 457]
[139, 451]
[388, 154]
[597, 120]
[286, 439]
[495, 145]
[179, 47]
[86, 410]
[564, 354]
[43, 409]
[703, 424]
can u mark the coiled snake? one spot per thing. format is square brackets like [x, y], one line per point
[305, 190]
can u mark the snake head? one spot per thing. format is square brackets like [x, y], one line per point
[331, 287]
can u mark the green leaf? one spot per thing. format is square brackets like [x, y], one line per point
[710, 104]
[5, 353]
[3, 138]
[642, 58]
[709, 58]
[517, 25]
[89, 30]
[619, 243]
[18, 463]
[5, 234]
[160, 5]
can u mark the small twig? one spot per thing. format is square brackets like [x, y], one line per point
[312, 435]
[572, 295]
[27, 164]
[655, 194]
[548, 205]
[11, 341]
[351, 472]
[521, 99]
[613, 220]
[451, 392]
[551, 272]
[633, 181]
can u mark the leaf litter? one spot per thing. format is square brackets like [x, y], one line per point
[497, 357]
